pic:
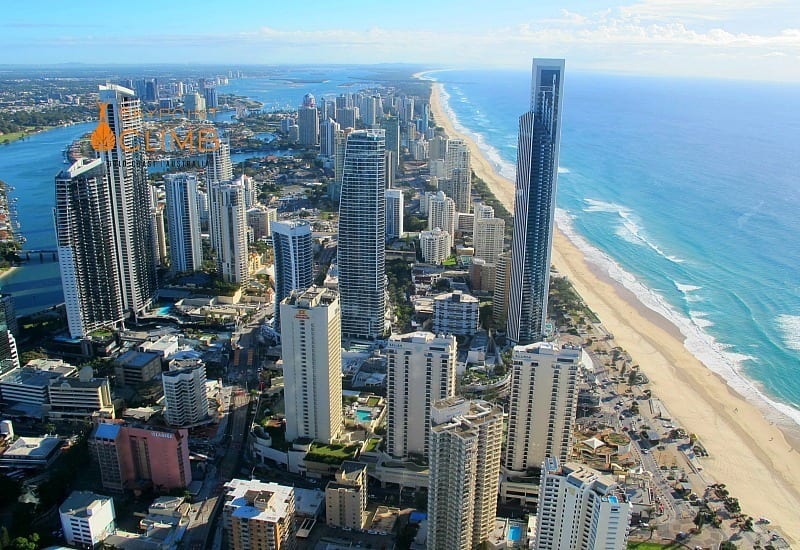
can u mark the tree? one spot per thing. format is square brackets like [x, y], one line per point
[699, 521]
[727, 545]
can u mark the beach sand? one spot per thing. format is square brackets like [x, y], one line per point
[755, 459]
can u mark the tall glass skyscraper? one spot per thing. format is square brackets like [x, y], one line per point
[131, 200]
[362, 227]
[535, 203]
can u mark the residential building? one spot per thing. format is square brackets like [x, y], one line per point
[421, 368]
[543, 404]
[488, 238]
[347, 116]
[185, 399]
[327, 138]
[194, 106]
[219, 168]
[249, 189]
[535, 204]
[391, 128]
[87, 253]
[183, 218]
[294, 259]
[442, 214]
[580, 508]
[131, 201]
[465, 440]
[346, 496]
[362, 232]
[458, 180]
[259, 516]
[308, 121]
[260, 218]
[133, 457]
[229, 231]
[435, 246]
[9, 309]
[394, 214]
[87, 518]
[456, 313]
[9, 357]
[502, 279]
[312, 364]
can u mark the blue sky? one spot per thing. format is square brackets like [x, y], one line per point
[750, 39]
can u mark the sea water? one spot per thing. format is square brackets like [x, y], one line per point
[685, 191]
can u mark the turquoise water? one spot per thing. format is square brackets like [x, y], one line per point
[687, 193]
[515, 533]
[363, 416]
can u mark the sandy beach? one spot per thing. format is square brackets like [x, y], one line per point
[753, 457]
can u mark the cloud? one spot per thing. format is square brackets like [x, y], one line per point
[707, 10]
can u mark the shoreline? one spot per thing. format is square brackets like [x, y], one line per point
[755, 458]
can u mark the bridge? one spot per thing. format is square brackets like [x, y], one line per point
[44, 255]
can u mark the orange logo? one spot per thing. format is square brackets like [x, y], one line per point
[103, 137]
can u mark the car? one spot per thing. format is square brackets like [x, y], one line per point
[347, 528]
[645, 451]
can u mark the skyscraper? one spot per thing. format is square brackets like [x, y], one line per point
[488, 238]
[442, 214]
[394, 214]
[312, 364]
[294, 260]
[542, 404]
[327, 138]
[458, 182]
[218, 163]
[87, 255]
[465, 439]
[580, 508]
[229, 231]
[131, 201]
[9, 358]
[535, 203]
[185, 397]
[362, 230]
[308, 121]
[391, 126]
[421, 368]
[183, 218]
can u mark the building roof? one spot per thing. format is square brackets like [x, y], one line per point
[253, 499]
[107, 431]
[138, 359]
[33, 447]
[82, 503]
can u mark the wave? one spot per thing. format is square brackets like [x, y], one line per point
[562, 170]
[630, 229]
[715, 355]
[789, 327]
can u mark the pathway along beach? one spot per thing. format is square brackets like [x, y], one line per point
[757, 461]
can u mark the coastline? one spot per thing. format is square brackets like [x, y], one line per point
[6, 272]
[751, 455]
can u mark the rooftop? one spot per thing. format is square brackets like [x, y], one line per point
[253, 499]
[82, 503]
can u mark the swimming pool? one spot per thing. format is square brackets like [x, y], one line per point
[364, 416]
[515, 533]
[613, 499]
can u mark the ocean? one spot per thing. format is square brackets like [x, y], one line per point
[687, 192]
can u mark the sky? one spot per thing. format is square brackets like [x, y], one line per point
[739, 39]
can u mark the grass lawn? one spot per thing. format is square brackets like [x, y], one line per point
[331, 454]
[651, 545]
[13, 136]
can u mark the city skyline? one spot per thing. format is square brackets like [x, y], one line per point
[743, 39]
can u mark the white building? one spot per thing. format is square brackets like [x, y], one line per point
[294, 259]
[542, 404]
[435, 246]
[259, 515]
[185, 399]
[183, 219]
[458, 175]
[327, 138]
[394, 214]
[456, 313]
[442, 214]
[312, 364]
[80, 397]
[229, 231]
[488, 238]
[580, 508]
[87, 518]
[421, 368]
[465, 442]
[131, 201]
[249, 188]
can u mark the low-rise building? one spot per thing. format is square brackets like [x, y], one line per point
[87, 519]
[259, 515]
[346, 496]
[31, 452]
[455, 313]
[134, 368]
[81, 397]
